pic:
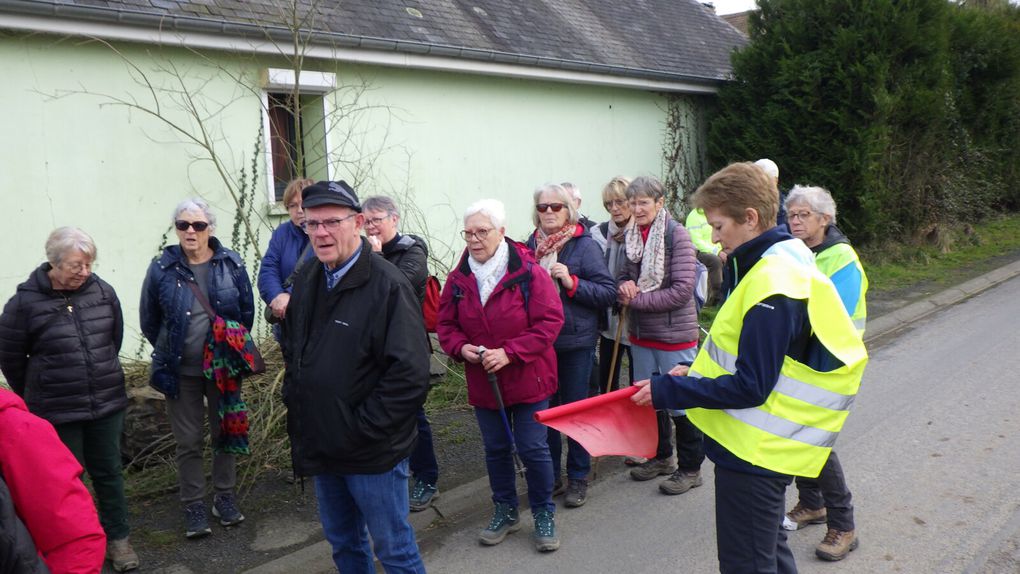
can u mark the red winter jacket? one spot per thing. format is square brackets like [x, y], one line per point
[43, 478]
[526, 333]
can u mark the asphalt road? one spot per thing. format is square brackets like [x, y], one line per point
[931, 452]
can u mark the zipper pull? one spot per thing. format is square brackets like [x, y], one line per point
[70, 308]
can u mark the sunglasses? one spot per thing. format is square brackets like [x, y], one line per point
[198, 226]
[544, 207]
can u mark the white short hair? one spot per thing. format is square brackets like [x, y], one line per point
[195, 204]
[817, 198]
[572, 189]
[491, 208]
[64, 240]
[769, 167]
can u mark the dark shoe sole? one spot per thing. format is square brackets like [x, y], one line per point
[496, 540]
[418, 507]
[838, 557]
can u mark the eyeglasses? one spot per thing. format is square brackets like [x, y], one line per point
[614, 203]
[479, 234]
[544, 207]
[375, 221]
[311, 225]
[799, 216]
[76, 268]
[198, 226]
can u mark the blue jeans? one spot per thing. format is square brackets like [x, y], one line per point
[533, 449]
[574, 369]
[353, 505]
[423, 458]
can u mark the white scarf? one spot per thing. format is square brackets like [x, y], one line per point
[489, 273]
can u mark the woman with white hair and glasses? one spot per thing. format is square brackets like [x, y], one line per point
[811, 213]
[60, 337]
[175, 321]
[499, 313]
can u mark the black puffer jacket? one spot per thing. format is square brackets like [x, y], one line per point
[410, 254]
[59, 349]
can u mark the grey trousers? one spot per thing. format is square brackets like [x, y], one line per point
[187, 414]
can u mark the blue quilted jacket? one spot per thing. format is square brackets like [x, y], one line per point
[166, 306]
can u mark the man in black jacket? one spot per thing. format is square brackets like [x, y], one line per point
[358, 369]
[410, 254]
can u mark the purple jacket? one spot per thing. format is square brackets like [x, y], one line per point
[525, 331]
[667, 314]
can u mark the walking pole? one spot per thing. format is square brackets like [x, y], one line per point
[612, 369]
[518, 465]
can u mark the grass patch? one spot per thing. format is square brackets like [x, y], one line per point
[894, 266]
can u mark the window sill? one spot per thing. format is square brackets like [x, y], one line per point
[275, 209]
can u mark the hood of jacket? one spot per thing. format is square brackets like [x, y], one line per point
[833, 236]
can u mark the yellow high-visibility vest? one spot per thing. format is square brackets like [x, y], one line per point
[837, 257]
[794, 430]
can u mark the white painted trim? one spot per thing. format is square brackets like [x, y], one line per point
[311, 82]
[328, 126]
[50, 25]
[267, 137]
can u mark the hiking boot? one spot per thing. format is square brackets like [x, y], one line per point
[680, 482]
[504, 521]
[225, 508]
[558, 487]
[196, 525]
[634, 460]
[802, 516]
[654, 467]
[545, 532]
[121, 556]
[422, 495]
[837, 544]
[577, 493]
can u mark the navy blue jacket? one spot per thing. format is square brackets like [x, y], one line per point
[772, 330]
[285, 247]
[166, 306]
[594, 291]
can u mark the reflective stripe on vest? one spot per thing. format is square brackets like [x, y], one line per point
[837, 257]
[793, 431]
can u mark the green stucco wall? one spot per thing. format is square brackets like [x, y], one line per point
[441, 139]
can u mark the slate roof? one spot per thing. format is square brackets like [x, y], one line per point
[671, 40]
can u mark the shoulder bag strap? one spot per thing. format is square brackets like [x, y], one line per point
[202, 299]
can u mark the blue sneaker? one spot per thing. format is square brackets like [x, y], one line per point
[422, 495]
[225, 508]
[196, 525]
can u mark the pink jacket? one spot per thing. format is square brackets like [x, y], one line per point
[43, 478]
[525, 331]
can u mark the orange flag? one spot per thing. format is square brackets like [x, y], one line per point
[607, 424]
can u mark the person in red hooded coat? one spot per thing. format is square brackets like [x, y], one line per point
[48, 497]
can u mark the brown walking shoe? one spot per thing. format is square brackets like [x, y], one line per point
[121, 556]
[837, 544]
[802, 516]
[680, 482]
[652, 468]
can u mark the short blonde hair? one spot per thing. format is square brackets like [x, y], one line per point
[562, 195]
[615, 189]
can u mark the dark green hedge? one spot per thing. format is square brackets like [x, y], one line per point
[908, 111]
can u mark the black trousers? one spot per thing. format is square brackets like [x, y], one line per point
[829, 490]
[748, 523]
[690, 441]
